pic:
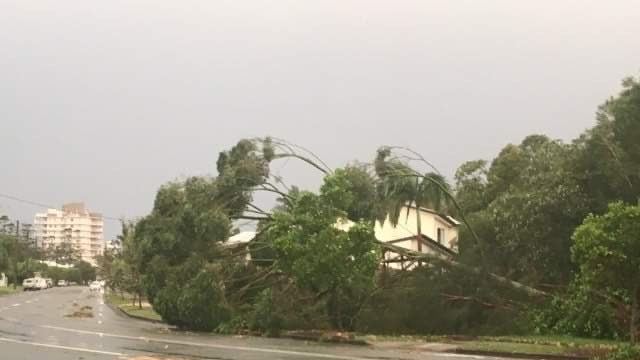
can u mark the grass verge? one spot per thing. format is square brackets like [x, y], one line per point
[125, 303]
[532, 345]
[545, 345]
[511, 348]
[9, 290]
[145, 312]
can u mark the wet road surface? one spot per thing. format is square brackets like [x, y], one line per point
[74, 323]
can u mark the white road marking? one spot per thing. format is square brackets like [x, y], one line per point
[99, 322]
[461, 355]
[61, 347]
[28, 302]
[238, 348]
[14, 305]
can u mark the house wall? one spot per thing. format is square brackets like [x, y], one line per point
[407, 226]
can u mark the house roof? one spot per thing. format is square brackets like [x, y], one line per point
[447, 218]
[425, 240]
[241, 238]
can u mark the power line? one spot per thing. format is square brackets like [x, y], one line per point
[34, 203]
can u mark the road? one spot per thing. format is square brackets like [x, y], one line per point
[42, 325]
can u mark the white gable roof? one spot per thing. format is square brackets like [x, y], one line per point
[241, 238]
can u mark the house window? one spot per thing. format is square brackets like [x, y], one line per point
[440, 235]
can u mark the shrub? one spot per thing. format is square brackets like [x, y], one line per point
[430, 301]
[265, 317]
[627, 352]
[236, 325]
[579, 312]
[198, 304]
[201, 304]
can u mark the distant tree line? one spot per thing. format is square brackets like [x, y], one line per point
[20, 258]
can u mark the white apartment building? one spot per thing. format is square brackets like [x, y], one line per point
[73, 224]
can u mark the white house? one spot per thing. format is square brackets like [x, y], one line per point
[439, 235]
[241, 241]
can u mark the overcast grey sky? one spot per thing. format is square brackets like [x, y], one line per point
[103, 101]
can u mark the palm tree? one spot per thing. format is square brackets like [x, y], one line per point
[399, 185]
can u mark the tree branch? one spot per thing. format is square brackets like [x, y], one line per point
[313, 155]
[300, 157]
[249, 217]
[445, 261]
[419, 157]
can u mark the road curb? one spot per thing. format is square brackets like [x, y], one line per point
[321, 339]
[118, 310]
[518, 355]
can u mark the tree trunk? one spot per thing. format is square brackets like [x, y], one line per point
[15, 274]
[338, 311]
[418, 230]
[444, 261]
[633, 324]
[139, 301]
[418, 227]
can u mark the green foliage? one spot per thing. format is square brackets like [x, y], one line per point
[524, 208]
[68, 274]
[431, 301]
[173, 254]
[7, 244]
[64, 253]
[352, 190]
[626, 352]
[169, 246]
[608, 161]
[607, 250]
[86, 271]
[317, 254]
[201, 303]
[191, 297]
[603, 298]
[26, 268]
[300, 236]
[236, 325]
[265, 316]
[527, 204]
[240, 170]
[471, 184]
[14, 255]
[398, 185]
[579, 312]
